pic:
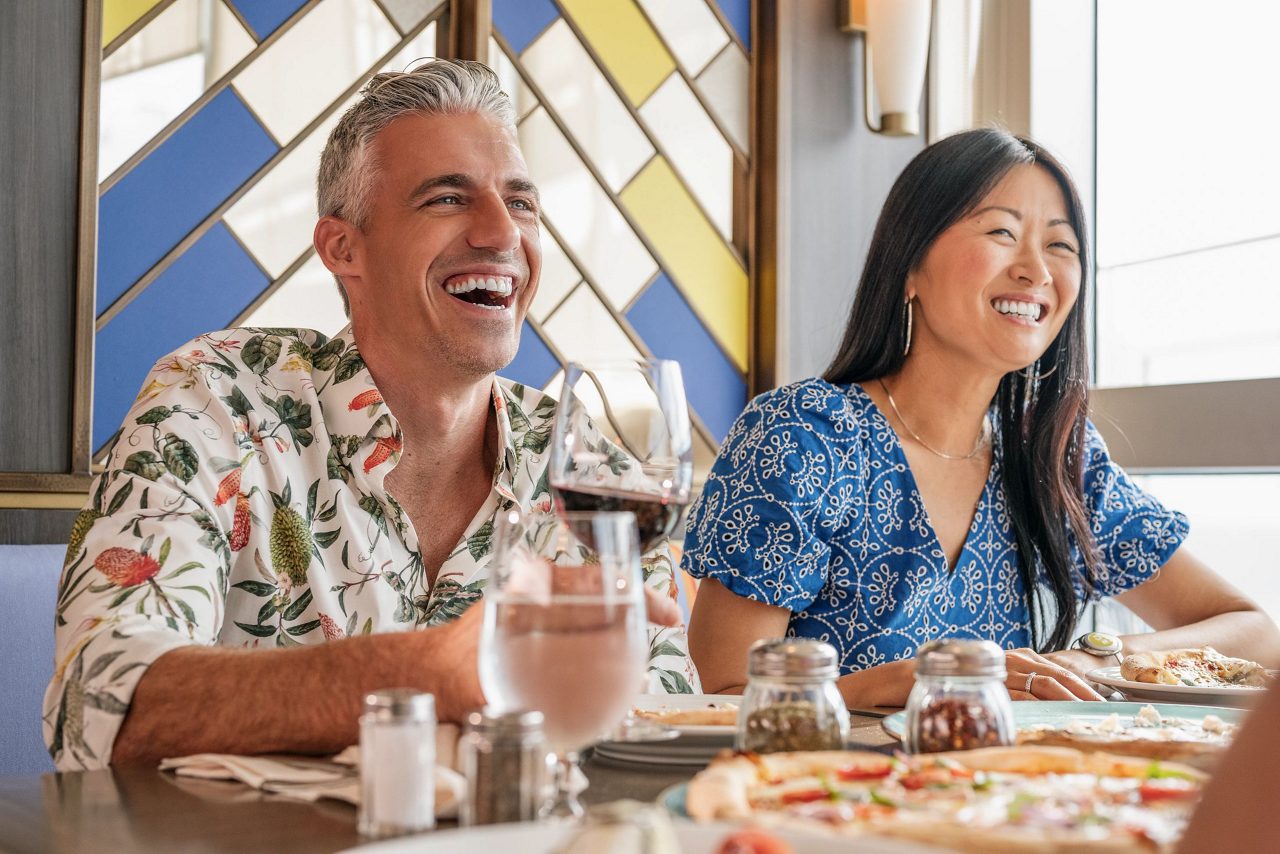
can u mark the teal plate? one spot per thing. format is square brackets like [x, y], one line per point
[672, 799]
[1059, 713]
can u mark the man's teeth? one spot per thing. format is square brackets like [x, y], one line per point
[500, 285]
[1025, 309]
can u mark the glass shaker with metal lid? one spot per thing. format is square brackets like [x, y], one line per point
[959, 701]
[791, 701]
[504, 758]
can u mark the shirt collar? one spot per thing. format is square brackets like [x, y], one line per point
[353, 406]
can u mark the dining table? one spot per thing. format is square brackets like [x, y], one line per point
[142, 809]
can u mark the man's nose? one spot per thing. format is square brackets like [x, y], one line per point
[492, 226]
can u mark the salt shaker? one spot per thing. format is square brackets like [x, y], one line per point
[959, 701]
[791, 701]
[504, 758]
[397, 763]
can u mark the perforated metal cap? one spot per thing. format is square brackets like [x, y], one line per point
[401, 705]
[492, 722]
[792, 657]
[957, 657]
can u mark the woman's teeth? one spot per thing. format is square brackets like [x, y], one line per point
[1030, 310]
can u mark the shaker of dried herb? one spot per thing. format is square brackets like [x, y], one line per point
[504, 758]
[959, 701]
[791, 701]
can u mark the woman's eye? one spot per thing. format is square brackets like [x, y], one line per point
[1006, 232]
[1060, 244]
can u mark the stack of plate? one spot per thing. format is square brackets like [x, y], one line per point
[695, 746]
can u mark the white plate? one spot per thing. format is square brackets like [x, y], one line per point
[1201, 694]
[678, 702]
[531, 838]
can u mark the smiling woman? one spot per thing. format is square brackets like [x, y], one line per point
[942, 478]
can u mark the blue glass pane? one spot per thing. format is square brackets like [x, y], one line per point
[534, 364]
[522, 21]
[717, 392]
[202, 291]
[177, 186]
[263, 16]
[738, 14]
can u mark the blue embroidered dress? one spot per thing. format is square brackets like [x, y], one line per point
[811, 507]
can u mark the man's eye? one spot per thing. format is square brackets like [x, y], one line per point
[522, 204]
[446, 200]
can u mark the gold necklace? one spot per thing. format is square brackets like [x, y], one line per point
[977, 446]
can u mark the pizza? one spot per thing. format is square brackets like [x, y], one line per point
[722, 714]
[1196, 742]
[1007, 799]
[1205, 667]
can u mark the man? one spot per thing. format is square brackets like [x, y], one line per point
[246, 514]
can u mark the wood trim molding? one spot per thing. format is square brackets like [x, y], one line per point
[762, 246]
[471, 24]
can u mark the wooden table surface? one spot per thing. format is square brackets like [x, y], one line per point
[128, 810]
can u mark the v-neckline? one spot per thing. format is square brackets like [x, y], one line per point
[901, 451]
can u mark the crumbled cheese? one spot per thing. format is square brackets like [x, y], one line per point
[1110, 724]
[1147, 716]
[1215, 724]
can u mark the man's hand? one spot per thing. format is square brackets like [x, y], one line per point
[661, 608]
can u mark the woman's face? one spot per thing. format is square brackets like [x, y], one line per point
[996, 286]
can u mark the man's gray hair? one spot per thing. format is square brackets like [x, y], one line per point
[348, 169]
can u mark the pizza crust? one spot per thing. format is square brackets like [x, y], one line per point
[1204, 666]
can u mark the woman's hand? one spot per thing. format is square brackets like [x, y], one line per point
[1035, 677]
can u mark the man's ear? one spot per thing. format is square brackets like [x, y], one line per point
[337, 244]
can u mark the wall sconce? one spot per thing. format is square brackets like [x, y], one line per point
[896, 54]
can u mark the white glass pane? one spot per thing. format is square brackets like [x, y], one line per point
[512, 83]
[583, 214]
[314, 62]
[689, 28]
[422, 47]
[1187, 116]
[726, 84]
[1235, 526]
[150, 79]
[407, 14]
[583, 329]
[276, 218]
[557, 279]
[701, 156]
[308, 300]
[587, 104]
[1201, 317]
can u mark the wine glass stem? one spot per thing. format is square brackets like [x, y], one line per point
[564, 803]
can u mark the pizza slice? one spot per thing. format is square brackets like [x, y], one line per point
[1205, 667]
[1014, 799]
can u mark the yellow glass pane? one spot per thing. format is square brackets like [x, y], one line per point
[119, 15]
[625, 42]
[704, 269]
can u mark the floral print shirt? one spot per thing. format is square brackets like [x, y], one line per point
[243, 504]
[811, 507]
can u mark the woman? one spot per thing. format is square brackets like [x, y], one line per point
[942, 479]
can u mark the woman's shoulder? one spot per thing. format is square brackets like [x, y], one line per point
[813, 401]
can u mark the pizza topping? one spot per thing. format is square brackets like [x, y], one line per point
[804, 796]
[1147, 716]
[1167, 789]
[1215, 724]
[753, 842]
[861, 772]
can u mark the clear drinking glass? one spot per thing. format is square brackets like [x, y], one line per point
[564, 629]
[622, 441]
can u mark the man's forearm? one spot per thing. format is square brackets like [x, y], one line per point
[300, 700]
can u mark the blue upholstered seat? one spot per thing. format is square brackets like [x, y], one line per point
[28, 588]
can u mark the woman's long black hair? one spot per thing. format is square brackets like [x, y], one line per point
[1042, 421]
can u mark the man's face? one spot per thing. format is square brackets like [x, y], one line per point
[448, 260]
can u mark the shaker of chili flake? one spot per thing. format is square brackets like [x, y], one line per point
[959, 701]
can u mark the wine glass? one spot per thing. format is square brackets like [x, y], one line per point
[564, 629]
[622, 441]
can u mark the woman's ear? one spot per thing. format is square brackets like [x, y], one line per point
[335, 240]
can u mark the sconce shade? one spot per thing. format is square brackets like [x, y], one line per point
[898, 45]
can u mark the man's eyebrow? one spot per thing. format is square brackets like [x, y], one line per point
[456, 180]
[523, 185]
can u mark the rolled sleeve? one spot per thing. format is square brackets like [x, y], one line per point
[146, 572]
[1135, 533]
[757, 527]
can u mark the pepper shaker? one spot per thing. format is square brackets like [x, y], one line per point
[397, 763]
[791, 701]
[959, 701]
[504, 758]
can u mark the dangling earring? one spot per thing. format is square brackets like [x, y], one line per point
[1031, 372]
[907, 349]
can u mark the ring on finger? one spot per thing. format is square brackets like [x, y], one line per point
[1031, 677]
